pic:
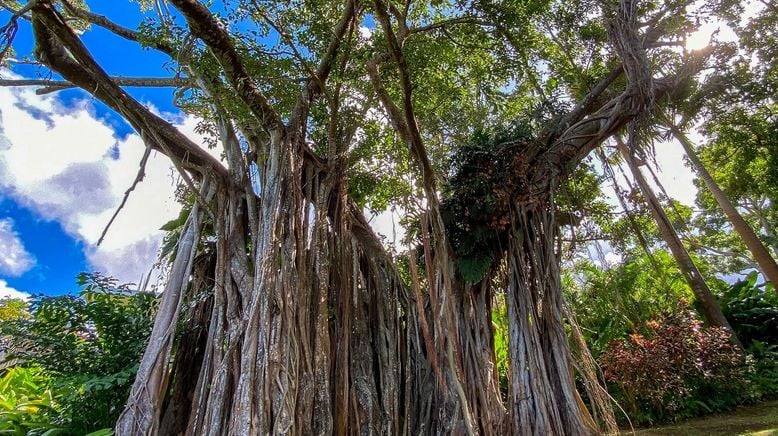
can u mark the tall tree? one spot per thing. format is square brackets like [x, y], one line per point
[763, 258]
[303, 323]
[707, 302]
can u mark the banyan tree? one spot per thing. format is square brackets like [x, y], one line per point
[282, 311]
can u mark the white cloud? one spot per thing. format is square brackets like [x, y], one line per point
[68, 165]
[612, 258]
[365, 32]
[7, 291]
[14, 259]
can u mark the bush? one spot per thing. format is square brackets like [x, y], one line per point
[27, 402]
[611, 303]
[90, 346]
[678, 369]
[752, 311]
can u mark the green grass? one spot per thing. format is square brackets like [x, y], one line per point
[758, 420]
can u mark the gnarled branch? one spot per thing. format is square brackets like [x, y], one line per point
[61, 49]
[49, 86]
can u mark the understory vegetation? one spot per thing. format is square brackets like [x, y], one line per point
[661, 363]
[75, 357]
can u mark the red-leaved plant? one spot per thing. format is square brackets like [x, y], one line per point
[677, 360]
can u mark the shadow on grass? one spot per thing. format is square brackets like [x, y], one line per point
[758, 420]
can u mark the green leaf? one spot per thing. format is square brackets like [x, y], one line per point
[473, 269]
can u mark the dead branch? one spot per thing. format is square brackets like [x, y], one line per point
[138, 178]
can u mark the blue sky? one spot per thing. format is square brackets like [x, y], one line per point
[53, 269]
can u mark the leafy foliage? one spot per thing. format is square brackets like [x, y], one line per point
[485, 177]
[27, 402]
[611, 303]
[673, 370]
[501, 341]
[752, 311]
[12, 309]
[89, 346]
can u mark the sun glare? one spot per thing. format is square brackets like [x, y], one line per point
[701, 38]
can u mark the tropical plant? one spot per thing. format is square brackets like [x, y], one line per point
[612, 302]
[282, 311]
[709, 307]
[12, 309]
[88, 345]
[28, 403]
[677, 368]
[756, 247]
[752, 310]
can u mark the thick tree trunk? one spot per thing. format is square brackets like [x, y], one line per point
[543, 398]
[141, 416]
[321, 337]
[766, 262]
[707, 302]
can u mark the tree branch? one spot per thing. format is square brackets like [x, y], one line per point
[115, 28]
[49, 86]
[416, 141]
[315, 86]
[207, 28]
[572, 145]
[446, 23]
[61, 49]
[138, 178]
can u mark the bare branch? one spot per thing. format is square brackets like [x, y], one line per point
[62, 50]
[49, 86]
[19, 13]
[138, 178]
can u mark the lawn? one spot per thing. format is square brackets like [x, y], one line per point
[759, 420]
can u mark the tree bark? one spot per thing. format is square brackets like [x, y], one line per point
[543, 397]
[709, 307]
[763, 258]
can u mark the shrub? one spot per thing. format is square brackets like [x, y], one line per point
[679, 368]
[27, 402]
[89, 344]
[752, 310]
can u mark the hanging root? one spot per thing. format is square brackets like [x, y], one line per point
[599, 399]
[141, 415]
[7, 35]
[544, 399]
